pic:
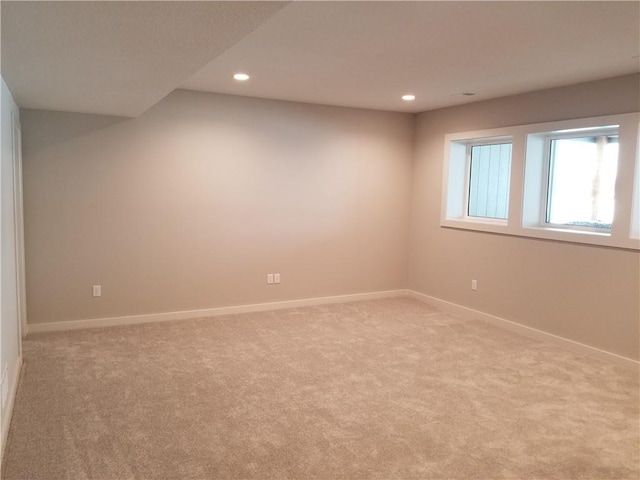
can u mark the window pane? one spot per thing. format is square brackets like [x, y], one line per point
[582, 177]
[489, 180]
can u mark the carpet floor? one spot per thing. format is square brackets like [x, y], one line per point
[379, 389]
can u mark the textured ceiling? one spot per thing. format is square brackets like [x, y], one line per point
[367, 54]
[120, 58]
[116, 58]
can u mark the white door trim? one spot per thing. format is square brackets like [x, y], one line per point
[18, 219]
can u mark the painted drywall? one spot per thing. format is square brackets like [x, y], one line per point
[192, 204]
[584, 293]
[9, 327]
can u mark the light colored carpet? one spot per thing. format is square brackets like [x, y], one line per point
[380, 389]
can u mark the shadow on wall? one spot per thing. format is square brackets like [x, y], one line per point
[75, 125]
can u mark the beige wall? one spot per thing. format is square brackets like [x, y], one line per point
[587, 294]
[190, 205]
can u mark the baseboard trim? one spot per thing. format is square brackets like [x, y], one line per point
[6, 419]
[209, 312]
[527, 331]
[262, 307]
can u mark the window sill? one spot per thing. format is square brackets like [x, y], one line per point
[544, 233]
[479, 224]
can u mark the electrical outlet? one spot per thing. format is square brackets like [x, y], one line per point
[276, 278]
[97, 290]
[474, 285]
[269, 278]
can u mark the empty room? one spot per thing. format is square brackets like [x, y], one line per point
[320, 240]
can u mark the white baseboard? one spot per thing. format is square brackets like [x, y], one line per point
[527, 331]
[261, 307]
[209, 312]
[6, 419]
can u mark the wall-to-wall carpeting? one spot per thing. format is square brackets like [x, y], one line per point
[380, 389]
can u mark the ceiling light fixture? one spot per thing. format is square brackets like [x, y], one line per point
[241, 77]
[408, 97]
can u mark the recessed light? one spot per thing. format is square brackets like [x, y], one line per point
[241, 77]
[408, 97]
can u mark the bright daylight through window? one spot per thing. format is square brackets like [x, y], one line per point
[573, 180]
[582, 179]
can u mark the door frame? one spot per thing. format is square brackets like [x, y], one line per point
[18, 220]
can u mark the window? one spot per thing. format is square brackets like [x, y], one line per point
[575, 180]
[635, 206]
[581, 180]
[489, 180]
[478, 182]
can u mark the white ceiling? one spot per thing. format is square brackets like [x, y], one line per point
[122, 57]
[366, 54]
[116, 58]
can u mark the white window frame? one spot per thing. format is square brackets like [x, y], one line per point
[458, 176]
[560, 135]
[529, 181]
